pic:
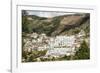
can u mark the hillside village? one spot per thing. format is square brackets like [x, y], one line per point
[61, 37]
[58, 46]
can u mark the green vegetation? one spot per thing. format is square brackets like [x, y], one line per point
[31, 56]
[38, 25]
[83, 52]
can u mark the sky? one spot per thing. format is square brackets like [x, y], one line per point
[47, 14]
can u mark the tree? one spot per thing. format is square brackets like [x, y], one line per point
[83, 52]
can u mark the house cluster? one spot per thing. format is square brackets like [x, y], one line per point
[61, 45]
[55, 46]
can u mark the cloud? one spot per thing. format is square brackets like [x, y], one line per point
[47, 14]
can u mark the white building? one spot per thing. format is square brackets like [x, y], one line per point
[34, 35]
[81, 33]
[61, 41]
[56, 46]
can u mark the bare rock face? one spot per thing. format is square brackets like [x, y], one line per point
[69, 22]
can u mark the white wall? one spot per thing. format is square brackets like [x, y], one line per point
[5, 34]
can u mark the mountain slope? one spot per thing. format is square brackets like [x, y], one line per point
[56, 25]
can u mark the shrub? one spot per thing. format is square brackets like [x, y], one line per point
[83, 52]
